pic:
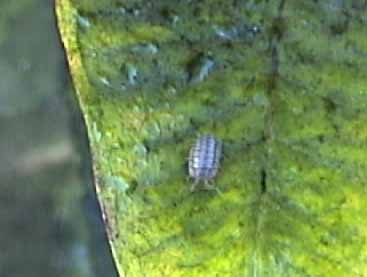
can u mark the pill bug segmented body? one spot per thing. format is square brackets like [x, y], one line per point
[204, 159]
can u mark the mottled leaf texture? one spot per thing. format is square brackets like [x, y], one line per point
[282, 83]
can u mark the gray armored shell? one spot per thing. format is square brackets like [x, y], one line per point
[204, 158]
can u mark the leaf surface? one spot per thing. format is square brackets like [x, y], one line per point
[282, 83]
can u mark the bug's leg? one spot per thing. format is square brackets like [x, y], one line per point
[209, 186]
[194, 185]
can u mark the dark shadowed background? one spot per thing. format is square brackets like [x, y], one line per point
[49, 217]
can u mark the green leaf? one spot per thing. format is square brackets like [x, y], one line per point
[282, 83]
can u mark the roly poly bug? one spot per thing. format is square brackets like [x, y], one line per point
[204, 160]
